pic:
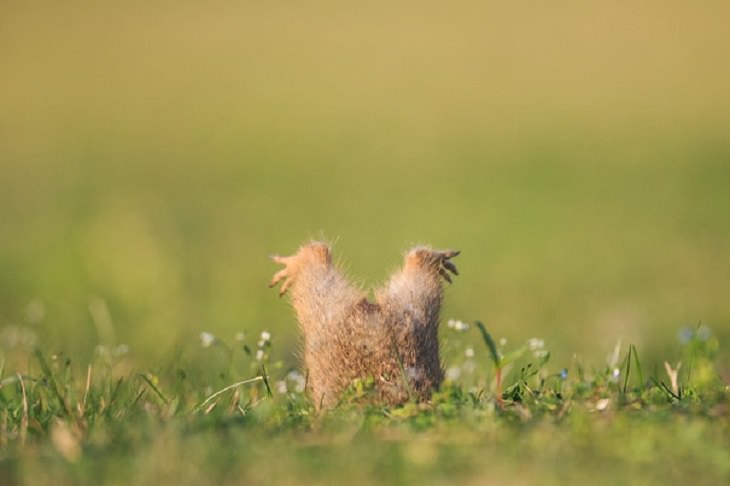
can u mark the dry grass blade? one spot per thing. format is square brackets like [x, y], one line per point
[223, 390]
[82, 411]
[23, 433]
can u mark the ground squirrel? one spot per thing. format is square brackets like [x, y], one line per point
[393, 339]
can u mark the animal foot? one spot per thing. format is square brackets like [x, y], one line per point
[284, 274]
[313, 253]
[438, 260]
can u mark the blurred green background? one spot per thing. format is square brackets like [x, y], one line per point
[154, 154]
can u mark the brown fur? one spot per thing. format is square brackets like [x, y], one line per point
[393, 339]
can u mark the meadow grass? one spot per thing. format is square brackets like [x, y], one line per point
[111, 423]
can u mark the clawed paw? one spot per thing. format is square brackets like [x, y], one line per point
[282, 274]
[445, 265]
[440, 260]
[312, 254]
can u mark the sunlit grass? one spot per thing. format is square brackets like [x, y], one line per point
[69, 424]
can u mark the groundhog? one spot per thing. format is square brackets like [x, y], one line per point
[393, 339]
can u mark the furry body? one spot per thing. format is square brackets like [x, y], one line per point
[393, 339]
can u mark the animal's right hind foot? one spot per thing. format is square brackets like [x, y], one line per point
[439, 260]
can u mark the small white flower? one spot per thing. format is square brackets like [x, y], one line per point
[259, 355]
[503, 342]
[540, 353]
[240, 336]
[602, 404]
[704, 333]
[281, 387]
[207, 339]
[535, 344]
[615, 373]
[453, 373]
[297, 379]
[103, 351]
[457, 325]
[266, 336]
[469, 352]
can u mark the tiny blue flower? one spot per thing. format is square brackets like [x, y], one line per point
[686, 334]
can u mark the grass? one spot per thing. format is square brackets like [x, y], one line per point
[107, 423]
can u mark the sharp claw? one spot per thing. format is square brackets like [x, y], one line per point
[450, 266]
[445, 274]
[278, 276]
[451, 253]
[284, 288]
[283, 274]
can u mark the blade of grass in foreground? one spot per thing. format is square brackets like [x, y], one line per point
[229, 387]
[496, 357]
[628, 370]
[664, 388]
[154, 388]
[265, 377]
[55, 388]
[638, 366]
[490, 344]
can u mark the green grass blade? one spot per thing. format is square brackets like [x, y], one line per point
[55, 388]
[490, 344]
[638, 366]
[664, 388]
[113, 394]
[265, 377]
[628, 369]
[154, 388]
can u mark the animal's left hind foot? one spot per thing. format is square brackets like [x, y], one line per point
[314, 253]
[283, 274]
